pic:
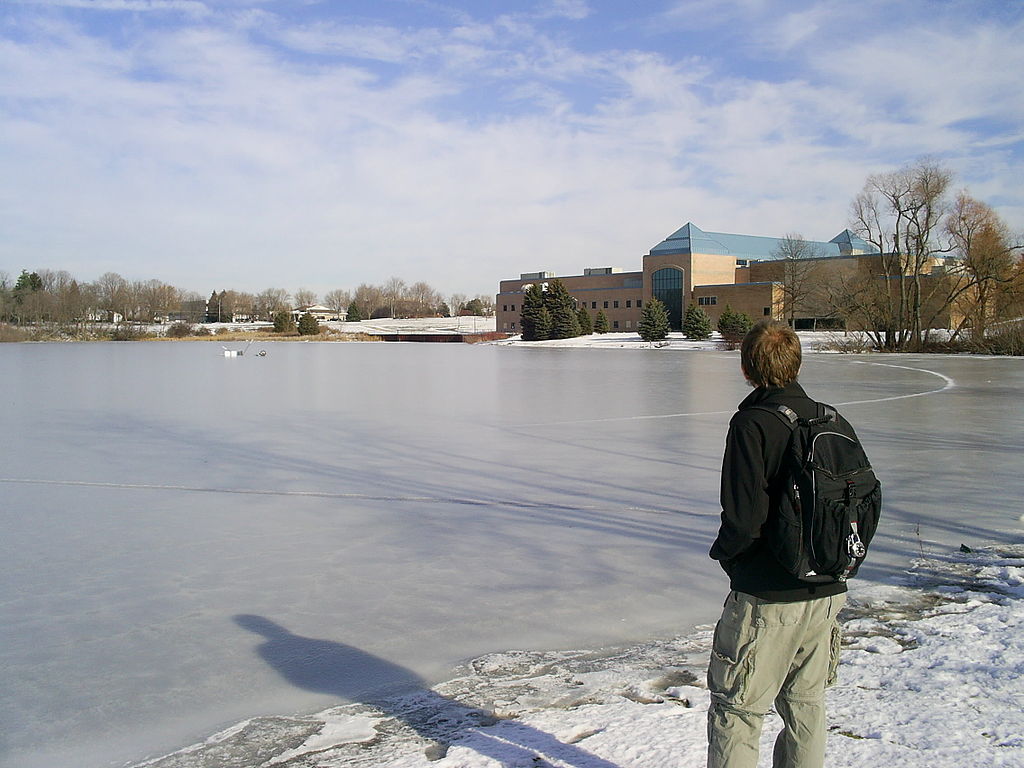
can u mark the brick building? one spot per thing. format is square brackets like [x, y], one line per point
[710, 269]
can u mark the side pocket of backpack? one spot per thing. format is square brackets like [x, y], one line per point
[786, 534]
[830, 529]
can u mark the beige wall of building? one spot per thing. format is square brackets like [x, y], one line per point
[756, 300]
[712, 281]
[618, 294]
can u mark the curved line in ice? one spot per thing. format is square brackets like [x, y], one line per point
[948, 384]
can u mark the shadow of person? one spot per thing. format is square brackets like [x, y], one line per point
[358, 677]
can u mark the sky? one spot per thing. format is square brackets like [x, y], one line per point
[248, 144]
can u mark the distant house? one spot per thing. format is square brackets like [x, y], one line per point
[320, 312]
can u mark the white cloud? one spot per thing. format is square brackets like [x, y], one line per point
[193, 7]
[566, 9]
[458, 155]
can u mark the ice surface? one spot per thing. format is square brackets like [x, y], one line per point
[416, 504]
[948, 691]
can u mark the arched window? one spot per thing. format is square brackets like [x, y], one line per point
[667, 287]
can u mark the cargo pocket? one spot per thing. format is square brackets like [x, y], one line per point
[833, 655]
[731, 652]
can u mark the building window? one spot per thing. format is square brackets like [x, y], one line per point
[629, 303]
[615, 304]
[707, 301]
[504, 307]
[667, 287]
[629, 324]
[606, 305]
[513, 307]
[639, 303]
[615, 324]
[593, 305]
[767, 311]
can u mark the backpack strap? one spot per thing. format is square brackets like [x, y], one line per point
[786, 414]
[826, 413]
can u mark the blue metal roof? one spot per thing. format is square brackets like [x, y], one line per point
[691, 239]
[848, 242]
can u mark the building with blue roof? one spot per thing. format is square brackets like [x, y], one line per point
[710, 269]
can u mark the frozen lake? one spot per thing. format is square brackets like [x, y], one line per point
[420, 504]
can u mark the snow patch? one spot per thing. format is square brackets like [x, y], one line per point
[928, 675]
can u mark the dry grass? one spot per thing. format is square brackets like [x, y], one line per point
[13, 333]
[269, 335]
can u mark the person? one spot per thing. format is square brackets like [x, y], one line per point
[777, 640]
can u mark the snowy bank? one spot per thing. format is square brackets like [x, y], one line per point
[930, 675]
[812, 341]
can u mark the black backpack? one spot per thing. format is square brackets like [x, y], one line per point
[826, 499]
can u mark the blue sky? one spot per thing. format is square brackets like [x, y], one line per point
[241, 144]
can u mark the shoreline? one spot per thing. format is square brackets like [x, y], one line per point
[905, 641]
[370, 331]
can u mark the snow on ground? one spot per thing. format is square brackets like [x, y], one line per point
[930, 676]
[811, 340]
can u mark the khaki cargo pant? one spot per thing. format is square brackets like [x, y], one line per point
[765, 652]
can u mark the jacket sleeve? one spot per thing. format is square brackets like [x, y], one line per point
[744, 493]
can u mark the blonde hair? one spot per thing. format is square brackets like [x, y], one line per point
[770, 354]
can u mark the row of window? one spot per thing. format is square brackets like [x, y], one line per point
[704, 301]
[593, 305]
[708, 301]
[615, 325]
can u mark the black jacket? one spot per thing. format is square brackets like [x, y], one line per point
[754, 450]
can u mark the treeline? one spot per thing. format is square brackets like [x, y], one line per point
[53, 297]
[397, 299]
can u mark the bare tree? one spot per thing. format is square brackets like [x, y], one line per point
[799, 270]
[456, 302]
[304, 298]
[370, 300]
[270, 301]
[423, 300]
[394, 294]
[6, 302]
[158, 300]
[337, 301]
[984, 262]
[901, 214]
[113, 295]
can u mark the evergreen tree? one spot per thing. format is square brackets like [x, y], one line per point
[601, 322]
[733, 325]
[586, 325]
[28, 282]
[696, 323]
[565, 323]
[654, 321]
[354, 314]
[283, 322]
[533, 302]
[213, 308]
[542, 328]
[308, 325]
[473, 307]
